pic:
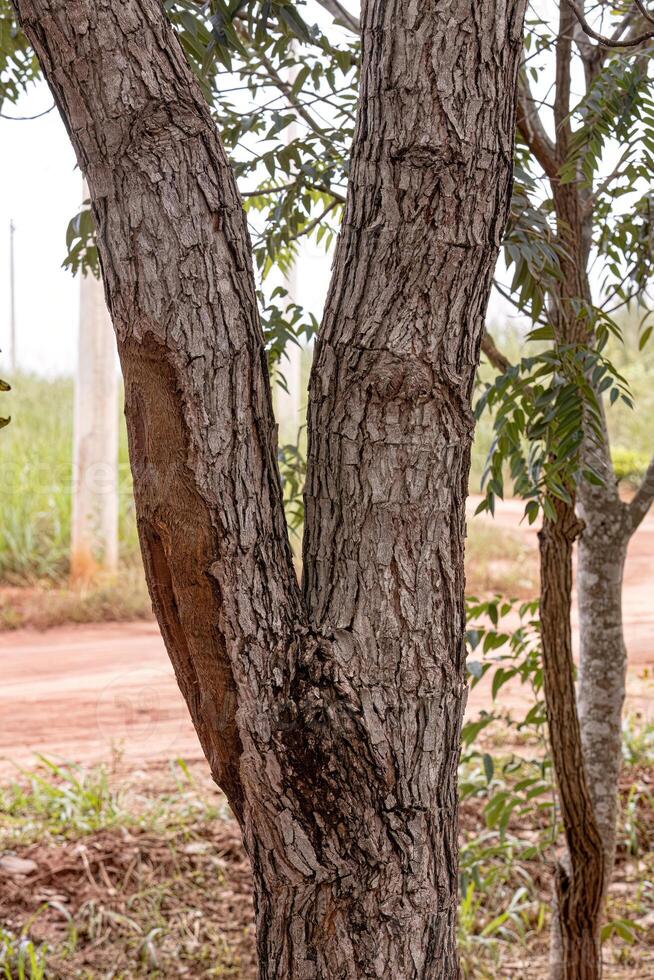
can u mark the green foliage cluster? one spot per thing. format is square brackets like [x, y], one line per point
[540, 407]
[18, 64]
[541, 404]
[501, 902]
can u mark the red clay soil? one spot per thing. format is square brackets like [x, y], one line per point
[85, 692]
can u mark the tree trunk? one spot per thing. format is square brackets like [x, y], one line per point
[579, 878]
[609, 526]
[601, 557]
[330, 716]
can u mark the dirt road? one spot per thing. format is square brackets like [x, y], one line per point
[86, 693]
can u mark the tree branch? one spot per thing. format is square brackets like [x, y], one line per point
[644, 497]
[596, 192]
[494, 355]
[178, 279]
[313, 224]
[531, 127]
[611, 42]
[286, 88]
[644, 11]
[341, 15]
[563, 80]
[322, 188]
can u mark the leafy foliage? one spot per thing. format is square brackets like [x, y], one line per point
[284, 322]
[80, 241]
[541, 406]
[284, 95]
[18, 64]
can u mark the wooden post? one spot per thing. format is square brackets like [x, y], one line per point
[94, 533]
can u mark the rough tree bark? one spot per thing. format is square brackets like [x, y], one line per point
[607, 525]
[329, 715]
[579, 877]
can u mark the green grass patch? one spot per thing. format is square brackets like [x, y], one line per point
[36, 472]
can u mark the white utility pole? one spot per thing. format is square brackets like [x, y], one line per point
[288, 403]
[94, 533]
[12, 295]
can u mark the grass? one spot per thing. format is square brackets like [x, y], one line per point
[35, 514]
[135, 876]
[62, 800]
[144, 875]
[35, 502]
[111, 598]
[36, 468]
[20, 959]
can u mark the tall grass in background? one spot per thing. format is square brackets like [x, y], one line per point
[36, 451]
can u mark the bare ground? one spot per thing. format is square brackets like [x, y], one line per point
[131, 900]
[107, 693]
[81, 692]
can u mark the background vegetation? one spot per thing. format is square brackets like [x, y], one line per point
[36, 466]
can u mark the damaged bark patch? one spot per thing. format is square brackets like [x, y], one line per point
[179, 545]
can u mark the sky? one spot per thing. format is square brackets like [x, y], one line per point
[41, 191]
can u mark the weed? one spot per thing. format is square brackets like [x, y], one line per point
[637, 741]
[20, 959]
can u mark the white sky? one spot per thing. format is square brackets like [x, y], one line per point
[41, 191]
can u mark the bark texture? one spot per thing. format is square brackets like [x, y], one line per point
[601, 555]
[579, 878]
[593, 736]
[330, 715]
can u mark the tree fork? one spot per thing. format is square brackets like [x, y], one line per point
[330, 716]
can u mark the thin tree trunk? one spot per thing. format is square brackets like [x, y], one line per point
[579, 877]
[331, 716]
[601, 555]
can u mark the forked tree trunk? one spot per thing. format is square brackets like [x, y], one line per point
[330, 716]
[580, 878]
[593, 732]
[609, 523]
